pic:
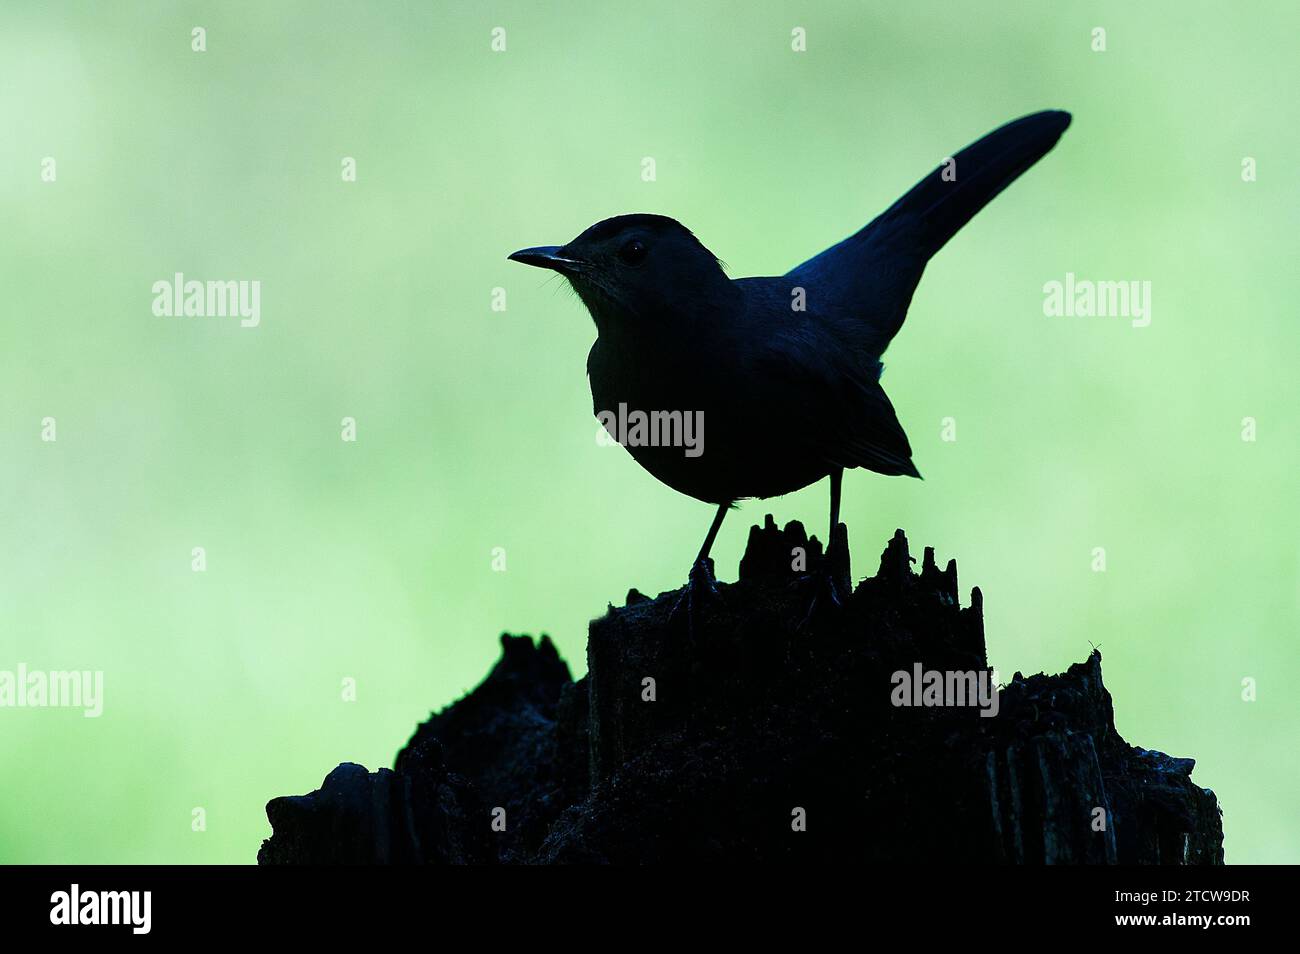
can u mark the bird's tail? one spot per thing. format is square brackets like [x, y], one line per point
[945, 200]
[873, 273]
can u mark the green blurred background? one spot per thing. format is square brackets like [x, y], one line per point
[373, 560]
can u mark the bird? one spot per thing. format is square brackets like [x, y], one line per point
[781, 373]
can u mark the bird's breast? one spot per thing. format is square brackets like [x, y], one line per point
[699, 426]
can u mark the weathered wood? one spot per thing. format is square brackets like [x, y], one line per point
[759, 719]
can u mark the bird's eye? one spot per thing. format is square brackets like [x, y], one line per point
[633, 252]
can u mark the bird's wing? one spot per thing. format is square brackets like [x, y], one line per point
[872, 274]
[832, 406]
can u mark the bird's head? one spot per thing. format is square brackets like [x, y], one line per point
[643, 271]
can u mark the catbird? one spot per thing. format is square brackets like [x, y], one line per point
[782, 374]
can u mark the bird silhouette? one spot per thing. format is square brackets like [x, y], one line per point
[779, 375]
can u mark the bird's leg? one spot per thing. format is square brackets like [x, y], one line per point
[834, 562]
[700, 584]
[837, 477]
[837, 540]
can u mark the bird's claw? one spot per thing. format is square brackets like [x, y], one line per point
[826, 599]
[700, 590]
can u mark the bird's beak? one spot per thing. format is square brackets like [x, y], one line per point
[548, 256]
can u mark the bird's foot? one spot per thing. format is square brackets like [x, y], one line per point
[700, 591]
[825, 602]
